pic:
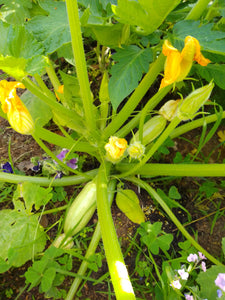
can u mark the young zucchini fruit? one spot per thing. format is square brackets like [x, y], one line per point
[78, 215]
[151, 129]
[81, 210]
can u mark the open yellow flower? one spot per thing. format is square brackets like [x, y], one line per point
[178, 64]
[115, 149]
[18, 115]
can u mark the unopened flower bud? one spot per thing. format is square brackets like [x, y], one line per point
[115, 149]
[136, 150]
[190, 105]
[169, 109]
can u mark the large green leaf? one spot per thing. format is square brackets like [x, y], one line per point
[146, 14]
[209, 290]
[21, 237]
[215, 72]
[21, 53]
[210, 40]
[15, 12]
[39, 110]
[52, 30]
[132, 63]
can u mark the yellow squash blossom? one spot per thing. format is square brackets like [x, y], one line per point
[18, 115]
[178, 64]
[59, 91]
[115, 149]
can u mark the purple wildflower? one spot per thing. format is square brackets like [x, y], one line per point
[220, 281]
[201, 256]
[188, 297]
[37, 167]
[72, 163]
[176, 284]
[58, 175]
[184, 275]
[7, 168]
[203, 265]
[192, 258]
[219, 293]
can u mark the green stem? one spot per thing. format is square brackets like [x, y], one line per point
[66, 142]
[91, 249]
[155, 195]
[136, 97]
[194, 124]
[52, 76]
[148, 107]
[197, 10]
[118, 272]
[189, 170]
[81, 67]
[153, 149]
[44, 181]
[72, 120]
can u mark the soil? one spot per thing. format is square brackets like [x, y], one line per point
[22, 148]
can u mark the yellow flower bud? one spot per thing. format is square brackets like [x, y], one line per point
[169, 109]
[136, 150]
[190, 105]
[115, 149]
[59, 91]
[18, 115]
[178, 64]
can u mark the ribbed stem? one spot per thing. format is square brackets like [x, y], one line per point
[91, 249]
[197, 10]
[118, 272]
[81, 67]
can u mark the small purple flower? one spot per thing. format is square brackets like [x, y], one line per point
[184, 275]
[7, 168]
[192, 258]
[176, 284]
[58, 175]
[72, 163]
[201, 256]
[219, 293]
[37, 167]
[188, 297]
[203, 265]
[220, 281]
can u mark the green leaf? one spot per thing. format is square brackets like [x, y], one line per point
[108, 35]
[209, 39]
[21, 237]
[15, 12]
[208, 187]
[146, 14]
[223, 245]
[21, 53]
[154, 238]
[52, 30]
[209, 290]
[128, 203]
[47, 279]
[40, 111]
[33, 195]
[215, 72]
[132, 62]
[174, 193]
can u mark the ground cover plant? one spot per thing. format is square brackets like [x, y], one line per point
[104, 87]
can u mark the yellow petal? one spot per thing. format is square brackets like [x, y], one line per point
[115, 148]
[198, 55]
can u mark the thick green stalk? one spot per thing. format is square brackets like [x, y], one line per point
[52, 76]
[118, 272]
[194, 124]
[44, 181]
[189, 170]
[136, 97]
[148, 107]
[173, 218]
[197, 10]
[81, 67]
[91, 249]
